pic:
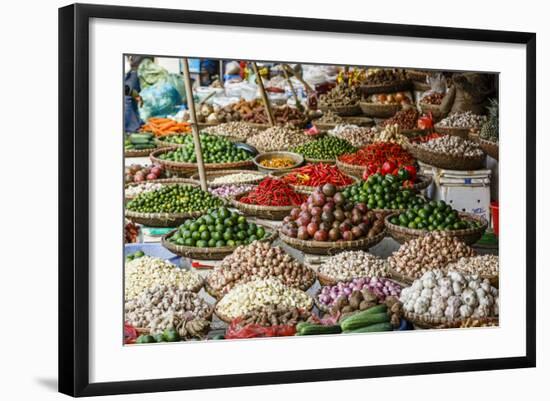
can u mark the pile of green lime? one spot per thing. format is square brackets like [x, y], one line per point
[382, 192]
[433, 215]
[175, 198]
[215, 149]
[168, 336]
[219, 227]
[327, 147]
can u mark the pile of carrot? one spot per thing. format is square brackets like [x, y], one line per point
[165, 126]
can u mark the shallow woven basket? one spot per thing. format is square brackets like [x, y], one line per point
[220, 173]
[396, 86]
[351, 169]
[489, 321]
[331, 247]
[425, 322]
[491, 148]
[461, 132]
[446, 161]
[325, 126]
[208, 253]
[179, 167]
[173, 180]
[347, 110]
[379, 110]
[139, 153]
[309, 190]
[160, 219]
[324, 161]
[362, 121]
[468, 235]
[262, 212]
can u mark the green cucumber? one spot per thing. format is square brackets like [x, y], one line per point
[372, 328]
[144, 146]
[362, 320]
[315, 329]
[300, 326]
[372, 310]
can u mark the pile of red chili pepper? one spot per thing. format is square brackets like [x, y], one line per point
[273, 192]
[375, 155]
[314, 175]
[236, 330]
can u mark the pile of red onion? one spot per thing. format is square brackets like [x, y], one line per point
[381, 287]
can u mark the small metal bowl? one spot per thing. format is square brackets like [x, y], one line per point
[297, 158]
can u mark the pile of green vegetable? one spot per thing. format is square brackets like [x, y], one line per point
[327, 147]
[370, 320]
[134, 255]
[217, 228]
[175, 198]
[167, 336]
[139, 141]
[174, 139]
[433, 215]
[382, 192]
[214, 150]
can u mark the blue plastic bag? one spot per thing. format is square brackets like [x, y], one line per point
[159, 100]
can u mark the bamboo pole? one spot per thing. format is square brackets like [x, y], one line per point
[264, 95]
[288, 69]
[194, 126]
[298, 104]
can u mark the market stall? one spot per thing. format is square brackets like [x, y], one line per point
[325, 201]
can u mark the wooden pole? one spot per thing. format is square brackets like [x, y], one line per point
[194, 126]
[264, 95]
[288, 69]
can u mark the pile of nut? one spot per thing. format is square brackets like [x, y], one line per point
[146, 272]
[355, 135]
[389, 133]
[405, 119]
[278, 138]
[329, 117]
[340, 95]
[451, 296]
[257, 293]
[431, 251]
[463, 120]
[164, 306]
[484, 265]
[275, 315]
[259, 260]
[350, 264]
[237, 130]
[379, 76]
[453, 145]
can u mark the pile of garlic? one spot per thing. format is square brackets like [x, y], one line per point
[450, 295]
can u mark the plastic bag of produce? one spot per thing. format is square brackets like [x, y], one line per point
[236, 330]
[159, 100]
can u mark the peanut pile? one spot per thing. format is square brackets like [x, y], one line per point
[350, 264]
[278, 138]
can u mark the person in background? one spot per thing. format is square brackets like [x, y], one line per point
[209, 70]
[132, 122]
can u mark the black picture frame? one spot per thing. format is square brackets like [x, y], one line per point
[74, 203]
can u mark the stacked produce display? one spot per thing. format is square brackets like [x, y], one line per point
[326, 228]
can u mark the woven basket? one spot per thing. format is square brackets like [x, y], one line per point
[435, 109]
[331, 247]
[379, 110]
[361, 121]
[425, 322]
[489, 321]
[347, 110]
[396, 86]
[351, 169]
[208, 253]
[214, 174]
[468, 235]
[173, 180]
[139, 153]
[445, 161]
[163, 144]
[160, 219]
[325, 126]
[179, 167]
[262, 212]
[461, 132]
[491, 148]
[308, 190]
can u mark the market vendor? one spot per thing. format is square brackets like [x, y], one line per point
[132, 122]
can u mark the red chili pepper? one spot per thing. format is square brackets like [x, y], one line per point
[273, 192]
[314, 175]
